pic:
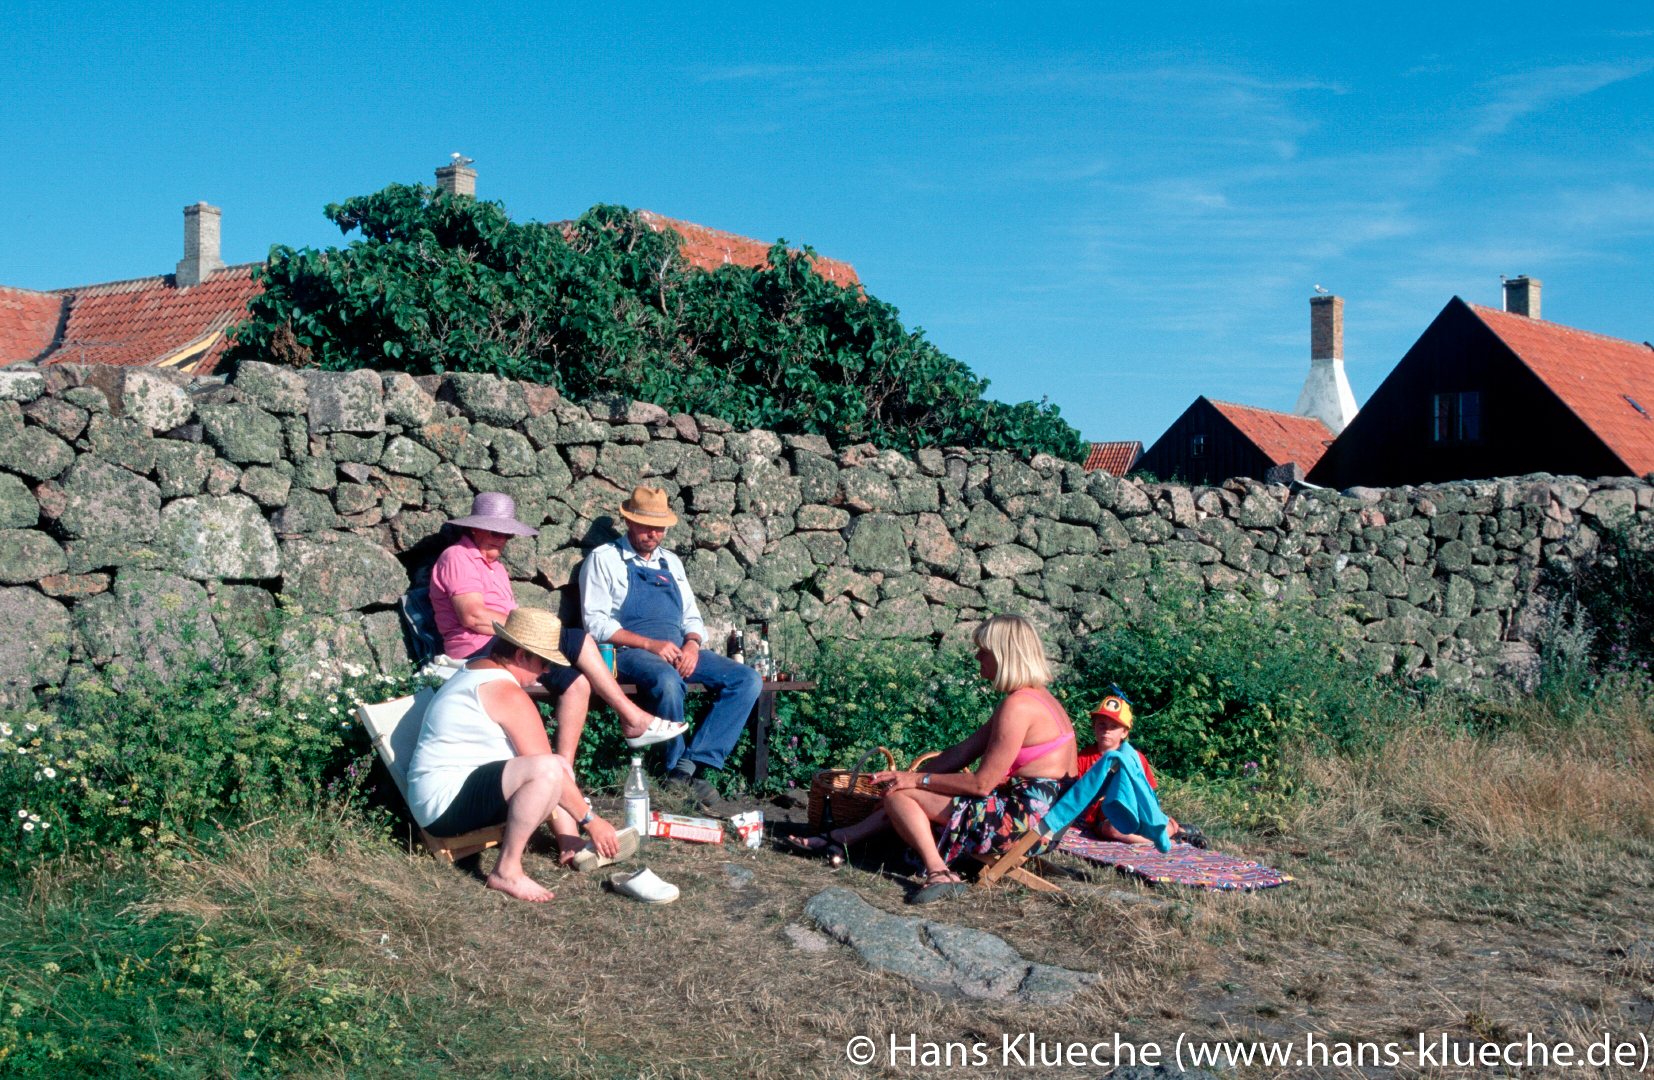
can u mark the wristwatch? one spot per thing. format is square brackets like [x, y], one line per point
[926, 781]
[590, 816]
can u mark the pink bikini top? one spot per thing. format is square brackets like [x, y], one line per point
[1034, 753]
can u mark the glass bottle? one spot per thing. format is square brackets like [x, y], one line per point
[636, 794]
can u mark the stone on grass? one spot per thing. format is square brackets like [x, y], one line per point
[213, 538]
[805, 939]
[737, 877]
[953, 961]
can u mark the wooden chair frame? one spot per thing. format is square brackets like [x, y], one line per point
[1009, 863]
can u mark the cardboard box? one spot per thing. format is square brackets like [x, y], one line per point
[698, 829]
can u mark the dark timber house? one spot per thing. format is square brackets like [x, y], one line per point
[1487, 393]
[1215, 440]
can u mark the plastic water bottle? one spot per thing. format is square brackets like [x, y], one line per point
[637, 799]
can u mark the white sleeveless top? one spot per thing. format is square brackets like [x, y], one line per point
[456, 737]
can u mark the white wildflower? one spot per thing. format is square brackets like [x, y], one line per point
[334, 709]
[51, 774]
[22, 813]
[31, 727]
[28, 826]
[45, 824]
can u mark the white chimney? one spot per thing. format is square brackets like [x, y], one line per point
[456, 178]
[200, 245]
[1522, 296]
[1326, 394]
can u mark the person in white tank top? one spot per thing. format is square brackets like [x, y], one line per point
[483, 757]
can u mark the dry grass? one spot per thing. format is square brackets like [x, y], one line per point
[1481, 886]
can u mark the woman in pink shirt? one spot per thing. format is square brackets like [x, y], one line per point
[471, 591]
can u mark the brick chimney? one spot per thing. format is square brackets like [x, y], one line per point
[458, 178]
[1522, 296]
[200, 245]
[1326, 394]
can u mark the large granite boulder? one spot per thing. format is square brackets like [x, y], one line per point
[155, 401]
[28, 555]
[877, 542]
[273, 389]
[242, 433]
[349, 573]
[34, 651]
[406, 403]
[161, 621]
[350, 401]
[106, 502]
[489, 399]
[220, 537]
[32, 451]
[18, 506]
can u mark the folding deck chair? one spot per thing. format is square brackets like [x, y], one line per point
[394, 728]
[1102, 781]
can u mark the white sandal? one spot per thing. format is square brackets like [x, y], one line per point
[659, 730]
[645, 886]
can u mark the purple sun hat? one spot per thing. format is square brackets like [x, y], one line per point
[496, 512]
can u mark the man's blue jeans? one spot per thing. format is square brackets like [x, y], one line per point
[660, 689]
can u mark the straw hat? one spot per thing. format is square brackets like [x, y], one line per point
[535, 631]
[648, 506]
[496, 512]
[1115, 707]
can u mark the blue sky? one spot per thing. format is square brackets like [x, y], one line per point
[1115, 207]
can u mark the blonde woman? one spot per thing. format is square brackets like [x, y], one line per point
[1027, 755]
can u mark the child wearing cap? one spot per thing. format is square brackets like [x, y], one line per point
[1111, 723]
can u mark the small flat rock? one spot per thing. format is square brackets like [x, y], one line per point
[954, 961]
[737, 877]
[1159, 1072]
[805, 939]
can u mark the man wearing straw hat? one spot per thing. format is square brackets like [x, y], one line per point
[482, 758]
[635, 596]
[471, 595]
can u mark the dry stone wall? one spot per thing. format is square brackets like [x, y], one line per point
[139, 511]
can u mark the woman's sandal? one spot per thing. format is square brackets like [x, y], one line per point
[935, 889]
[828, 848]
[1191, 835]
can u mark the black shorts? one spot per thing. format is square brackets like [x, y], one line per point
[479, 803]
[560, 678]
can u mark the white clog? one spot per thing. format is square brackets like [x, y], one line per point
[587, 857]
[645, 886]
[658, 731]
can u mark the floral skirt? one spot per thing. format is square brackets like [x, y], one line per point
[991, 823]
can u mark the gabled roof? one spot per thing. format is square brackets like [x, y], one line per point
[712, 248]
[1281, 437]
[29, 323]
[1597, 378]
[1114, 458]
[150, 321]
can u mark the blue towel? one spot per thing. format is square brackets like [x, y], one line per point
[1128, 800]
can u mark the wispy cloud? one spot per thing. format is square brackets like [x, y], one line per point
[1532, 91]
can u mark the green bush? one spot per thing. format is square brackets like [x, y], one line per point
[1612, 592]
[607, 304]
[145, 761]
[904, 696]
[1218, 685]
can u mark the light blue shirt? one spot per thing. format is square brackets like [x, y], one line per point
[604, 580]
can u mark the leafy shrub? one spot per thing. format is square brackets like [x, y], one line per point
[606, 304]
[1219, 685]
[152, 760]
[904, 696]
[1612, 592]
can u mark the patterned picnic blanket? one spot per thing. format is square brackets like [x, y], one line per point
[1183, 865]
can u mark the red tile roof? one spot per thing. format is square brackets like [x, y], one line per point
[1114, 458]
[1282, 437]
[28, 323]
[151, 321]
[712, 248]
[1597, 377]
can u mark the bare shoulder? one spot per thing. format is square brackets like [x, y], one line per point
[503, 698]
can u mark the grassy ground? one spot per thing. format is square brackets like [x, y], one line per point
[1486, 886]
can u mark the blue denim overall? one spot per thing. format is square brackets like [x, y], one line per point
[653, 608]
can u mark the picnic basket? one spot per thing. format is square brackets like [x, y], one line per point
[847, 796]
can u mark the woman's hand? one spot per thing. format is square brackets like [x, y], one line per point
[603, 837]
[897, 780]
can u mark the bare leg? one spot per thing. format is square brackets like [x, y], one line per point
[572, 704]
[633, 720]
[532, 786]
[911, 813]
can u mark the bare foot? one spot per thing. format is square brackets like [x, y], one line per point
[521, 886]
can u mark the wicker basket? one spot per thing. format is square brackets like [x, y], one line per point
[850, 793]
